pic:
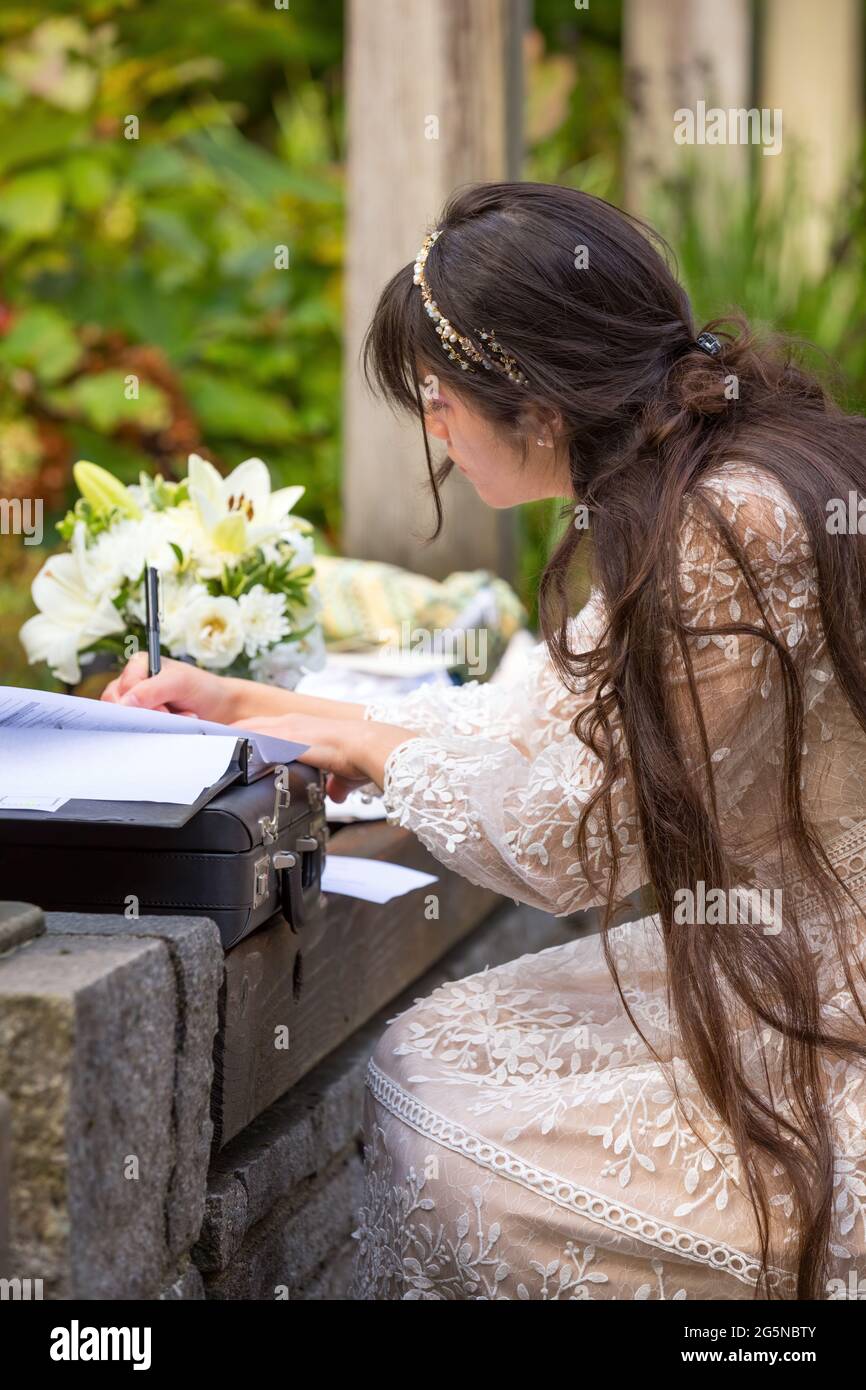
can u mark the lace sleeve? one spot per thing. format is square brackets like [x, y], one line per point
[528, 712]
[474, 707]
[506, 819]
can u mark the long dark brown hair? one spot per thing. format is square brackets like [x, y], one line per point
[611, 348]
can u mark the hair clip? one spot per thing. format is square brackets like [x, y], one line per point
[709, 343]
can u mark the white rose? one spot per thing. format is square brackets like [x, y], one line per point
[121, 553]
[214, 632]
[286, 663]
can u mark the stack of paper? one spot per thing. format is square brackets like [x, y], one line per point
[62, 766]
[56, 748]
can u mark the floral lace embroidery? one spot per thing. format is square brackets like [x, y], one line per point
[403, 1251]
[562, 1191]
[523, 1051]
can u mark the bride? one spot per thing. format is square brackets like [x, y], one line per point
[676, 1107]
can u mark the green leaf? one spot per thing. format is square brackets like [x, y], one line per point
[182, 252]
[31, 203]
[168, 321]
[230, 155]
[89, 181]
[230, 408]
[36, 133]
[101, 401]
[41, 340]
[159, 166]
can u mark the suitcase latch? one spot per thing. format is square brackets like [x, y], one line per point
[262, 879]
[271, 824]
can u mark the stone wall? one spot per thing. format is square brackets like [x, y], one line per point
[106, 1063]
[106, 1036]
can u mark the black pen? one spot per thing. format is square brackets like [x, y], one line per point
[151, 608]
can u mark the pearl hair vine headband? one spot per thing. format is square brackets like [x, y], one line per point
[449, 337]
[451, 340]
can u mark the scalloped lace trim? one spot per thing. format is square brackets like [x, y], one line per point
[847, 854]
[616, 1216]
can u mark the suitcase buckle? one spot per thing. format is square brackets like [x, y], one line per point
[271, 824]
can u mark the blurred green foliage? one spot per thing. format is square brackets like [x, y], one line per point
[171, 244]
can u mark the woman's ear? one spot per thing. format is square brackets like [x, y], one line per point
[542, 424]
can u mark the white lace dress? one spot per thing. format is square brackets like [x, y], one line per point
[521, 1141]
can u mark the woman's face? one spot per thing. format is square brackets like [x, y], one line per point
[493, 466]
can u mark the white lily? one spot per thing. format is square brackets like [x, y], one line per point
[239, 512]
[69, 618]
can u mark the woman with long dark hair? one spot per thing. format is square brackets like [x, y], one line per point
[674, 1108]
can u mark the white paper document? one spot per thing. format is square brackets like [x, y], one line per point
[374, 880]
[108, 767]
[32, 803]
[58, 748]
[42, 709]
[357, 805]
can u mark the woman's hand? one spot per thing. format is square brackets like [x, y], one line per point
[183, 689]
[351, 751]
[178, 689]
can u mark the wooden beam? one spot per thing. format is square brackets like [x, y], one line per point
[434, 101]
[319, 985]
[812, 70]
[676, 53]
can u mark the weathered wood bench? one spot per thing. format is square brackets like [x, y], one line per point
[315, 988]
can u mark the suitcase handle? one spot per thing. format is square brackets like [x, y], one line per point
[298, 897]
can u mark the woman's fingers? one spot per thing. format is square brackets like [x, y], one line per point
[110, 692]
[134, 687]
[172, 690]
[134, 671]
[130, 674]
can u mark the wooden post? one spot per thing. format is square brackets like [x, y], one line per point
[675, 54]
[812, 71]
[434, 101]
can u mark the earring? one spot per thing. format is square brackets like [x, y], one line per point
[542, 442]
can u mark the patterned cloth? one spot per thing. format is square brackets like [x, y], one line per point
[368, 604]
[521, 1139]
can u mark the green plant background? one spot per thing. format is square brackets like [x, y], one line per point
[154, 256]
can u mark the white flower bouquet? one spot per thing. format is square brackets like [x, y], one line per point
[236, 575]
